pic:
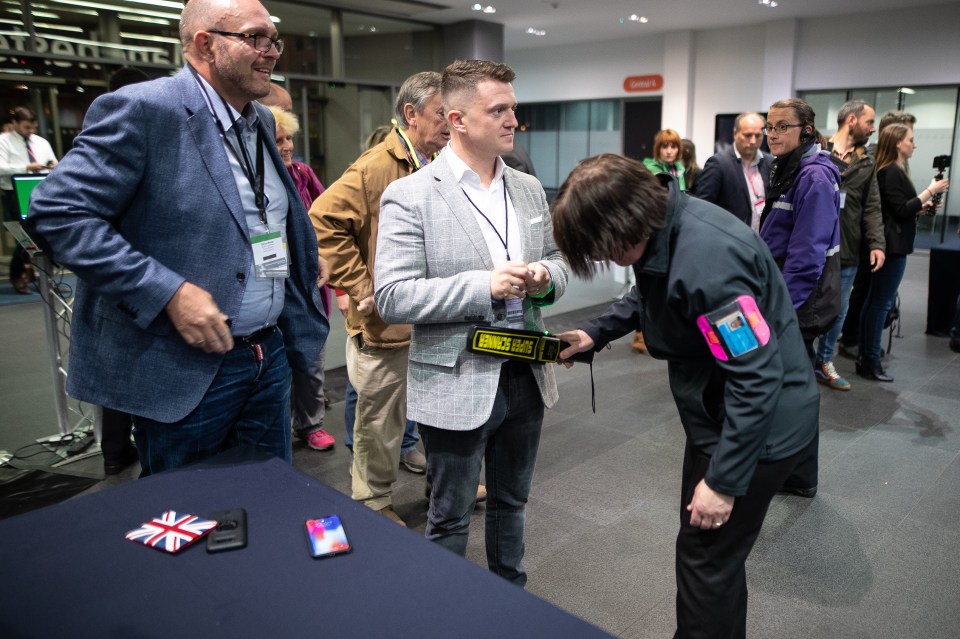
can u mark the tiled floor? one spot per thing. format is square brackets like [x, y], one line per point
[876, 554]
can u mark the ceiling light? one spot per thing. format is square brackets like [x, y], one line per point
[111, 7]
[906, 90]
[485, 9]
[536, 32]
[150, 38]
[768, 3]
[166, 4]
[130, 18]
[489, 9]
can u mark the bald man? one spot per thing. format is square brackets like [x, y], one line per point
[199, 292]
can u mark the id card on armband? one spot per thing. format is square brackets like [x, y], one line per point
[735, 329]
[269, 243]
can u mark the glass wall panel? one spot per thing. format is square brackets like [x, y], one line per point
[936, 112]
[559, 135]
[305, 31]
[826, 105]
[376, 48]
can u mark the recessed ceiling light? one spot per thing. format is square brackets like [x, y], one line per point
[485, 9]
[768, 3]
[536, 32]
[635, 18]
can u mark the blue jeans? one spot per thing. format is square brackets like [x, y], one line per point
[248, 404]
[880, 299]
[410, 436]
[507, 442]
[828, 342]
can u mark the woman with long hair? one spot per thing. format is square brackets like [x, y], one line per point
[688, 156]
[901, 204]
[666, 156]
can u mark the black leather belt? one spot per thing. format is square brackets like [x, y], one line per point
[255, 337]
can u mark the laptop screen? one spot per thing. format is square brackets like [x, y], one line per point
[23, 186]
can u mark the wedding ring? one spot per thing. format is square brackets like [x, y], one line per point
[718, 524]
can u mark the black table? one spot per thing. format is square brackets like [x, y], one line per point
[68, 571]
[943, 286]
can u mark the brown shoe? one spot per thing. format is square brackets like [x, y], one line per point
[639, 344]
[391, 514]
[481, 493]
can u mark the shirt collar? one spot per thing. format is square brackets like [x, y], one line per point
[460, 168]
[223, 110]
[756, 158]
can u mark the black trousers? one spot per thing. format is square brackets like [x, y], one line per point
[20, 258]
[710, 564]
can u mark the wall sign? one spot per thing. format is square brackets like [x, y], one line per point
[641, 83]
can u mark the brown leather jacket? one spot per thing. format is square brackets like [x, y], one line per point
[346, 218]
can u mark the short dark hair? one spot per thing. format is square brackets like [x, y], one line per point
[23, 114]
[463, 76]
[801, 109]
[608, 203]
[851, 107]
[896, 117]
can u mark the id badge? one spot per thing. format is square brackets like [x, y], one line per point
[269, 243]
[734, 330]
[514, 312]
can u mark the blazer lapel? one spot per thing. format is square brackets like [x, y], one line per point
[451, 193]
[209, 144]
[523, 205]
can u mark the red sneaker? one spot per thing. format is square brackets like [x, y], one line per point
[320, 440]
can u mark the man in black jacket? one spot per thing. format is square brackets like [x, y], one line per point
[737, 363]
[737, 178]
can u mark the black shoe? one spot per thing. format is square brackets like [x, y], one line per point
[807, 493]
[115, 464]
[872, 369]
[955, 345]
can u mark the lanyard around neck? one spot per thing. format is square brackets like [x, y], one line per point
[253, 174]
[505, 238]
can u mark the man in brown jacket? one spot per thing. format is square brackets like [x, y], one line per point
[345, 217]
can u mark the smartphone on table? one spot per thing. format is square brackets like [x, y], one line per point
[231, 530]
[327, 537]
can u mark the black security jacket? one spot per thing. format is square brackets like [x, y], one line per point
[762, 406]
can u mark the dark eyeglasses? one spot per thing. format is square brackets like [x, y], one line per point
[261, 43]
[779, 129]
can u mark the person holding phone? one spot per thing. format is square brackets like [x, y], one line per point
[900, 204]
[21, 151]
[736, 361]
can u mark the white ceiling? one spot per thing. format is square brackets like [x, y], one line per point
[575, 21]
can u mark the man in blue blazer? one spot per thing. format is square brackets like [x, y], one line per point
[737, 178]
[197, 262]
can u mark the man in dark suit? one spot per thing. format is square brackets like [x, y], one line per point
[737, 179]
[198, 266]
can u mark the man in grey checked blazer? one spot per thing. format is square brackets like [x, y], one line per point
[457, 241]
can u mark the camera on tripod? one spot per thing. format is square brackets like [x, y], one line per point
[941, 163]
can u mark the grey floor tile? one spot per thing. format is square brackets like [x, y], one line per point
[612, 575]
[573, 441]
[884, 470]
[940, 505]
[659, 622]
[925, 420]
[614, 482]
